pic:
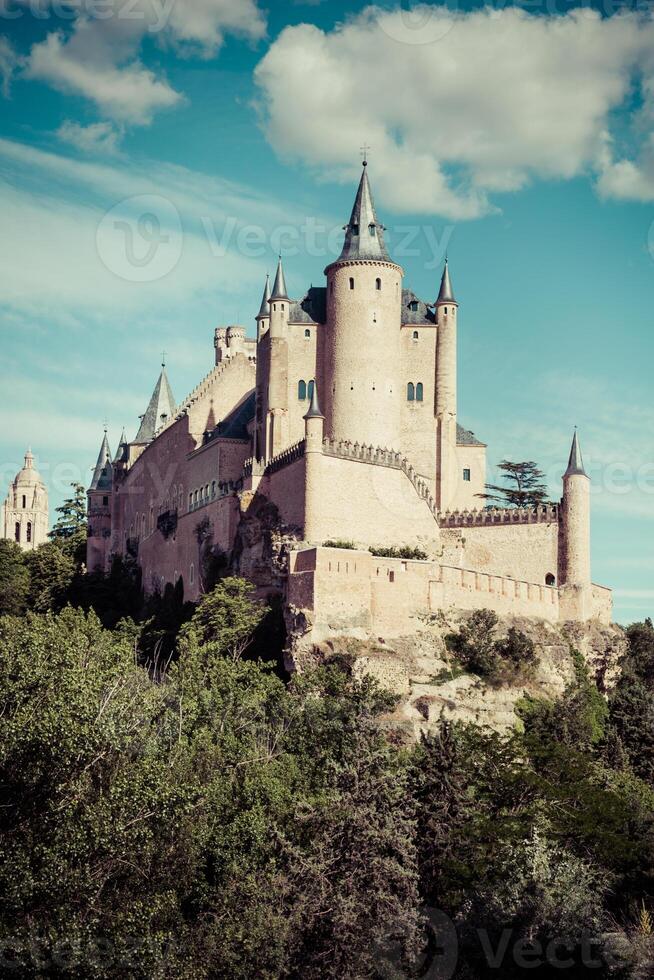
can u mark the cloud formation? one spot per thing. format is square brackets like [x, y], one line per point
[461, 107]
[99, 59]
[9, 62]
[100, 137]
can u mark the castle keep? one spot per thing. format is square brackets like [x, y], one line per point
[339, 423]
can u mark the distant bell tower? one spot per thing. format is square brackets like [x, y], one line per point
[362, 389]
[446, 312]
[99, 496]
[25, 511]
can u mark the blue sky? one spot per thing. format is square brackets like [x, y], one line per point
[519, 139]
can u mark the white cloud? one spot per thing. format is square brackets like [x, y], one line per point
[9, 62]
[459, 107]
[100, 58]
[100, 137]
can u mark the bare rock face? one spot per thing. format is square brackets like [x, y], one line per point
[429, 680]
[262, 543]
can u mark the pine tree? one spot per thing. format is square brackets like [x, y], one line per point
[524, 486]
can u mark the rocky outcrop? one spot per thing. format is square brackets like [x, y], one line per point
[429, 680]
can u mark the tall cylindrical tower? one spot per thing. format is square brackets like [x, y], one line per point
[576, 522]
[362, 389]
[447, 467]
[313, 486]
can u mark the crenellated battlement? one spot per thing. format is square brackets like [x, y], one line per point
[545, 514]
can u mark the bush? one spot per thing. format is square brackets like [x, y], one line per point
[407, 552]
[348, 545]
[500, 661]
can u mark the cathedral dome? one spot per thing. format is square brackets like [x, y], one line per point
[28, 476]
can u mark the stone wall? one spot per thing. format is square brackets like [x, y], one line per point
[522, 551]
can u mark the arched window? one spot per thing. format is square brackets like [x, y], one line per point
[415, 335]
[351, 283]
[413, 305]
[302, 390]
[410, 392]
[307, 333]
[310, 387]
[17, 531]
[550, 579]
[213, 489]
[378, 282]
[29, 532]
[190, 501]
[445, 310]
[192, 574]
[24, 501]
[419, 391]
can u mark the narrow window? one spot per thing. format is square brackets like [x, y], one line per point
[550, 579]
[24, 502]
[415, 334]
[307, 333]
[351, 283]
[190, 501]
[445, 311]
[466, 476]
[213, 488]
[17, 531]
[355, 229]
[192, 574]
[373, 230]
[378, 283]
[413, 306]
[410, 392]
[105, 501]
[302, 390]
[311, 386]
[419, 391]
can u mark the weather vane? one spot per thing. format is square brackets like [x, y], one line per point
[365, 149]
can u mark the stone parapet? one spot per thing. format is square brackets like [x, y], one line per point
[546, 514]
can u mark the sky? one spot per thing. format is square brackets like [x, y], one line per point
[156, 155]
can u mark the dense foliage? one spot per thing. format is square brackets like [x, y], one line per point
[171, 806]
[524, 485]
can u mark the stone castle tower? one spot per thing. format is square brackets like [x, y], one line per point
[25, 511]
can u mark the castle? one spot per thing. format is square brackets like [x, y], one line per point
[25, 511]
[339, 424]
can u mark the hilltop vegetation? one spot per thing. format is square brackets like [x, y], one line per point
[198, 815]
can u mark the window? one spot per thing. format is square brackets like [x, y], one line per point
[415, 335]
[413, 305]
[307, 333]
[213, 488]
[445, 310]
[192, 574]
[190, 501]
[378, 283]
[373, 230]
[355, 229]
[410, 392]
[302, 390]
[17, 531]
[419, 391]
[105, 501]
[311, 386]
[550, 579]
[24, 502]
[351, 283]
[466, 476]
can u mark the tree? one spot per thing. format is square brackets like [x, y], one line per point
[69, 533]
[52, 571]
[14, 579]
[226, 618]
[524, 486]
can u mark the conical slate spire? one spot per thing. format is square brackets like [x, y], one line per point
[161, 409]
[364, 235]
[576, 462]
[314, 408]
[265, 302]
[446, 293]
[121, 453]
[279, 286]
[103, 473]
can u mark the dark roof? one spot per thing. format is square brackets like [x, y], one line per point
[235, 425]
[364, 234]
[264, 309]
[103, 472]
[312, 308]
[279, 290]
[466, 438]
[422, 315]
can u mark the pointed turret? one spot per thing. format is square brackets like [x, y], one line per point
[123, 450]
[264, 310]
[576, 461]
[314, 408]
[446, 293]
[279, 290]
[159, 411]
[102, 474]
[364, 234]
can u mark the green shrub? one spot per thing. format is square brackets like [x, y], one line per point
[348, 545]
[479, 651]
[406, 552]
